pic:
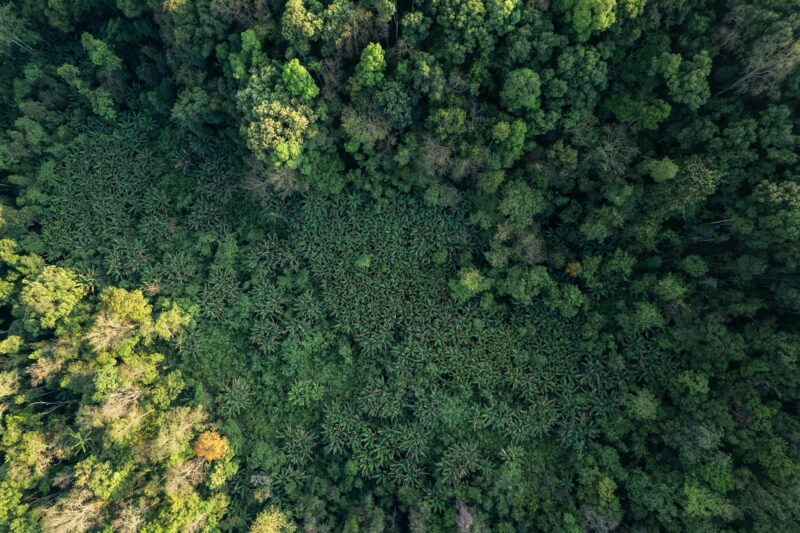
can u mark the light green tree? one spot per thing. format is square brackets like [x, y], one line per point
[369, 71]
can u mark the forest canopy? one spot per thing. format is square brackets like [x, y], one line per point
[465, 266]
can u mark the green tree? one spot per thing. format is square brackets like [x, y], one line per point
[690, 84]
[277, 133]
[47, 300]
[15, 32]
[100, 100]
[101, 55]
[299, 25]
[271, 521]
[660, 169]
[588, 16]
[521, 90]
[640, 112]
[521, 203]
[369, 70]
[298, 81]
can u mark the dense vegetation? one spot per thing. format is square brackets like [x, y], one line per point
[447, 265]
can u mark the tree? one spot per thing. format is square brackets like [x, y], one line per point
[14, 32]
[525, 284]
[272, 521]
[298, 81]
[299, 26]
[369, 71]
[579, 78]
[640, 112]
[469, 284]
[768, 45]
[124, 317]
[277, 132]
[277, 123]
[195, 111]
[697, 181]
[211, 446]
[588, 16]
[660, 170]
[76, 512]
[521, 90]
[521, 203]
[50, 298]
[244, 12]
[690, 84]
[249, 60]
[101, 55]
[99, 99]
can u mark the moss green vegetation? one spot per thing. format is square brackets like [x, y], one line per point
[449, 266]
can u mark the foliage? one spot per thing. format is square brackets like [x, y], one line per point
[461, 265]
[92, 423]
[369, 71]
[298, 81]
[211, 446]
